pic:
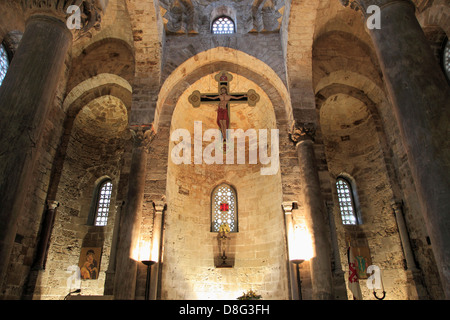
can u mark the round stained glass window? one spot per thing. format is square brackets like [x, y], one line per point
[4, 63]
[223, 25]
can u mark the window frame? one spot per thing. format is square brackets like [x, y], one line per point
[445, 46]
[93, 215]
[8, 55]
[236, 212]
[354, 200]
[221, 17]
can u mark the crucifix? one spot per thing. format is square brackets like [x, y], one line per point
[223, 99]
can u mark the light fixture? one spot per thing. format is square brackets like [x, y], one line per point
[149, 264]
[297, 263]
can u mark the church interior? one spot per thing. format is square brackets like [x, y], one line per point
[329, 181]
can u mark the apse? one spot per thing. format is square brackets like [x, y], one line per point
[256, 251]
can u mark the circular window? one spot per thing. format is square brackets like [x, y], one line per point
[223, 25]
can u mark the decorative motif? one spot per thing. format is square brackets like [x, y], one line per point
[90, 12]
[302, 131]
[362, 5]
[187, 16]
[143, 136]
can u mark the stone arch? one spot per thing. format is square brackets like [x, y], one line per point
[95, 87]
[215, 60]
[338, 50]
[109, 55]
[188, 187]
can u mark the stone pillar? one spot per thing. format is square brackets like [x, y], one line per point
[157, 238]
[404, 236]
[315, 212]
[420, 96]
[413, 274]
[127, 254]
[46, 232]
[26, 96]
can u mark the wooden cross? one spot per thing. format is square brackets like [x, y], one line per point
[223, 79]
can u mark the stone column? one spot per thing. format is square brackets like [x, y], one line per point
[315, 212]
[46, 232]
[287, 209]
[127, 254]
[157, 238]
[420, 96]
[404, 236]
[26, 96]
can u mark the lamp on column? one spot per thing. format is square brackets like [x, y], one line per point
[303, 251]
[297, 263]
[149, 264]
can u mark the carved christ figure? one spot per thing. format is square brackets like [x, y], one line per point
[223, 121]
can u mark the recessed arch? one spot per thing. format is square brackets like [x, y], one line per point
[95, 87]
[215, 60]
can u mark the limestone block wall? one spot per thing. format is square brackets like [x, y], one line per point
[264, 46]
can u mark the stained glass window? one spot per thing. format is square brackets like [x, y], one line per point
[4, 63]
[223, 25]
[446, 59]
[104, 199]
[224, 208]
[346, 202]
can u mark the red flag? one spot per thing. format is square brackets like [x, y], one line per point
[353, 281]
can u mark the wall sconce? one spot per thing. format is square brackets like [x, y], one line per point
[302, 251]
[149, 264]
[303, 244]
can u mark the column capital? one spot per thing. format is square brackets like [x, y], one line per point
[302, 131]
[288, 206]
[159, 206]
[52, 204]
[362, 5]
[396, 205]
[143, 135]
[89, 14]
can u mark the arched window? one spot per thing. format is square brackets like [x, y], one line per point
[4, 62]
[224, 208]
[347, 204]
[446, 59]
[102, 199]
[223, 25]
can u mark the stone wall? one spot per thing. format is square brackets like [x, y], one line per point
[257, 251]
